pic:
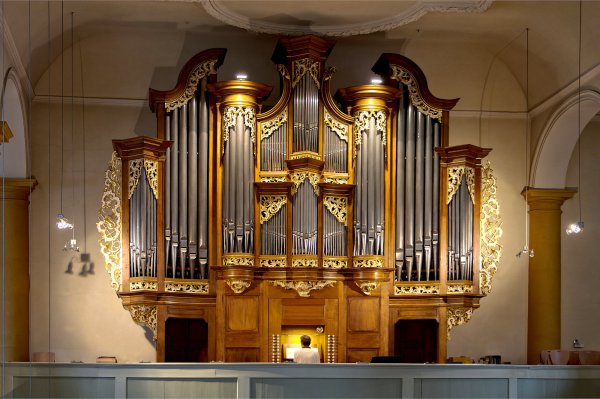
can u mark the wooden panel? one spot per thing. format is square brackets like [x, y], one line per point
[363, 314]
[242, 355]
[303, 314]
[417, 313]
[241, 340]
[241, 313]
[363, 340]
[360, 355]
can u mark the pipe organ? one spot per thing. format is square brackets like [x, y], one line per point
[338, 215]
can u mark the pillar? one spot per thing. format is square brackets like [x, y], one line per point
[544, 299]
[14, 260]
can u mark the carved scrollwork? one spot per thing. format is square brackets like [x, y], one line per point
[299, 177]
[270, 205]
[402, 75]
[361, 123]
[272, 179]
[335, 263]
[230, 115]
[338, 128]
[273, 261]
[416, 289]
[109, 222]
[328, 74]
[238, 286]
[283, 71]
[267, 128]
[238, 260]
[142, 285]
[151, 166]
[305, 262]
[336, 180]
[135, 172]
[144, 315]
[460, 288]
[189, 287]
[367, 286]
[458, 316]
[198, 73]
[301, 67]
[455, 176]
[305, 154]
[491, 230]
[338, 206]
[303, 288]
[368, 262]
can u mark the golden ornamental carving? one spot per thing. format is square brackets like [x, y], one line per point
[151, 166]
[269, 127]
[416, 289]
[109, 222]
[198, 73]
[457, 316]
[189, 287]
[238, 259]
[303, 288]
[230, 115]
[142, 285]
[272, 179]
[338, 206]
[238, 286]
[144, 315]
[305, 154]
[270, 205]
[455, 177]
[368, 262]
[367, 286]
[460, 288]
[337, 127]
[299, 177]
[402, 75]
[301, 67]
[305, 262]
[335, 180]
[135, 172]
[335, 263]
[273, 261]
[361, 123]
[328, 74]
[283, 71]
[491, 230]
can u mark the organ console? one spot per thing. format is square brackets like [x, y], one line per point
[335, 215]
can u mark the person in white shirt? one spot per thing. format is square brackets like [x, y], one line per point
[306, 354]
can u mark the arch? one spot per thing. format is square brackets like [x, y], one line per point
[15, 154]
[559, 137]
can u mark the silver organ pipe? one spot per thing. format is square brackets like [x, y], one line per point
[306, 115]
[273, 234]
[174, 195]
[142, 225]
[417, 194]
[202, 150]
[460, 234]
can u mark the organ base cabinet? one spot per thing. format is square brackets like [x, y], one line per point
[241, 226]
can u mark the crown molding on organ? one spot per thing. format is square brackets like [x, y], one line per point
[412, 12]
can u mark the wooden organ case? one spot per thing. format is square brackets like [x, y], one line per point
[340, 217]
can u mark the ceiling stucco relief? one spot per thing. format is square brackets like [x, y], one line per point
[330, 18]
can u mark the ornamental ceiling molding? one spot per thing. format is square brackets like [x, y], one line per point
[220, 10]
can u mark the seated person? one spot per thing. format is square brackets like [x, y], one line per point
[306, 354]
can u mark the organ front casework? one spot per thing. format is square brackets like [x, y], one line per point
[240, 227]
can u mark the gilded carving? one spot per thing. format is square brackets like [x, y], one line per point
[267, 128]
[491, 230]
[416, 289]
[142, 285]
[238, 259]
[361, 123]
[151, 166]
[299, 177]
[272, 179]
[303, 66]
[109, 222]
[402, 75]
[335, 180]
[335, 263]
[460, 288]
[283, 71]
[273, 261]
[144, 315]
[305, 154]
[367, 286]
[303, 288]
[198, 73]
[270, 205]
[338, 206]
[338, 128]
[189, 287]
[457, 316]
[230, 115]
[238, 286]
[305, 262]
[455, 177]
[368, 262]
[135, 172]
